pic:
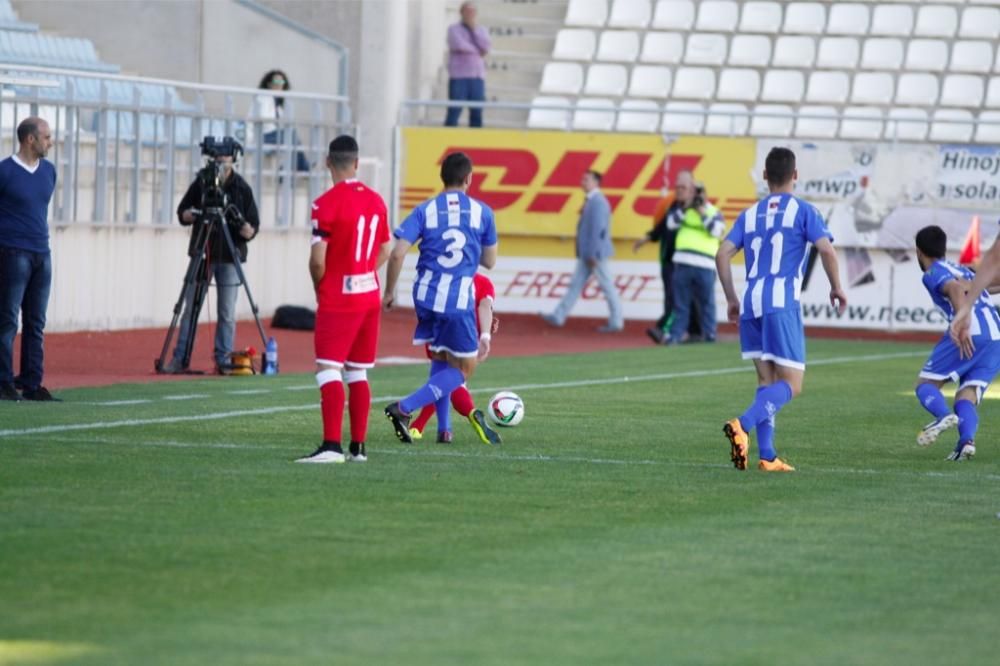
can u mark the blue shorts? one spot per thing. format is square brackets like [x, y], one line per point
[453, 332]
[946, 364]
[777, 337]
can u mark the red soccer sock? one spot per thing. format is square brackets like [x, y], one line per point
[461, 400]
[332, 405]
[425, 415]
[359, 405]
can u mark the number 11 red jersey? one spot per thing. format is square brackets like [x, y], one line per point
[352, 220]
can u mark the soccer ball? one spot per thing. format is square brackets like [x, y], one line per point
[505, 409]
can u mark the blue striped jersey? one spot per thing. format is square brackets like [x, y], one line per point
[985, 322]
[452, 229]
[775, 235]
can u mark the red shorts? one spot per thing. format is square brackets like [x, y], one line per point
[349, 338]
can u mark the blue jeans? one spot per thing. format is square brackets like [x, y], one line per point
[227, 286]
[25, 279]
[693, 284]
[280, 138]
[473, 90]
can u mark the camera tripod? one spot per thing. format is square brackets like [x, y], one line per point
[197, 279]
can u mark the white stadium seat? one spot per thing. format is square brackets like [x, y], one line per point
[650, 81]
[861, 122]
[574, 44]
[717, 15]
[783, 85]
[838, 53]
[827, 87]
[936, 21]
[750, 51]
[988, 132]
[794, 51]
[705, 49]
[926, 55]
[606, 80]
[738, 85]
[727, 119]
[993, 93]
[974, 57]
[777, 121]
[892, 21]
[882, 53]
[665, 48]
[549, 118]
[630, 14]
[805, 18]
[602, 121]
[906, 125]
[592, 13]
[872, 88]
[917, 89]
[679, 118]
[816, 122]
[962, 90]
[565, 78]
[694, 83]
[638, 115]
[761, 17]
[952, 126]
[847, 18]
[618, 46]
[673, 15]
[980, 23]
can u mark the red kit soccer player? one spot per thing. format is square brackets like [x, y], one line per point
[350, 242]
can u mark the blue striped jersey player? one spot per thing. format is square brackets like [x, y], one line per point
[456, 235]
[948, 285]
[775, 235]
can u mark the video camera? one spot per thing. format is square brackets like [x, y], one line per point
[699, 199]
[213, 147]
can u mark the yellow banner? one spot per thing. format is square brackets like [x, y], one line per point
[531, 179]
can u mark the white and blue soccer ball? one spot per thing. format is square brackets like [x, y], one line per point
[505, 409]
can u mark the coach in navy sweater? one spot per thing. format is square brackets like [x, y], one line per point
[27, 182]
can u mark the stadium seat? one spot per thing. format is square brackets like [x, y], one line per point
[816, 122]
[750, 51]
[872, 88]
[882, 53]
[980, 23]
[861, 122]
[562, 78]
[917, 89]
[827, 87]
[973, 57]
[761, 17]
[838, 53]
[666, 48]
[926, 55]
[574, 44]
[847, 18]
[591, 13]
[694, 83]
[618, 46]
[680, 118]
[637, 115]
[952, 126]
[705, 49]
[962, 90]
[727, 119]
[906, 125]
[630, 14]
[986, 131]
[792, 51]
[738, 85]
[779, 123]
[993, 93]
[717, 15]
[549, 118]
[783, 85]
[673, 15]
[650, 81]
[601, 121]
[606, 80]
[892, 21]
[805, 18]
[936, 21]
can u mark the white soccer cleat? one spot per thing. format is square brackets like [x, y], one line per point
[933, 430]
[962, 452]
[356, 453]
[326, 453]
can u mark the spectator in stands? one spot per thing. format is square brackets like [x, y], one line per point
[593, 252]
[27, 182]
[468, 43]
[268, 107]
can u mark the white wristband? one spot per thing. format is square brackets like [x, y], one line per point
[486, 336]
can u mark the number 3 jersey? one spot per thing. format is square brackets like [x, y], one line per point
[351, 219]
[775, 234]
[452, 229]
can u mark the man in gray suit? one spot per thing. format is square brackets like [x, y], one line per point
[593, 251]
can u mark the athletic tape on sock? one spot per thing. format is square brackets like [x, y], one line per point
[352, 376]
[327, 376]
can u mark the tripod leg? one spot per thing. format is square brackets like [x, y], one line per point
[191, 275]
[191, 318]
[243, 281]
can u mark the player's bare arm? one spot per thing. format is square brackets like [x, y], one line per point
[488, 258]
[383, 254]
[394, 267]
[317, 262]
[985, 276]
[724, 267]
[828, 255]
[485, 312]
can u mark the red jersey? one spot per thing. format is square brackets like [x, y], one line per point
[352, 220]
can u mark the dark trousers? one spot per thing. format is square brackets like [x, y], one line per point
[280, 137]
[473, 90]
[663, 323]
[25, 279]
[693, 285]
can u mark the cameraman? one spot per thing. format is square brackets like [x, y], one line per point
[699, 227]
[243, 222]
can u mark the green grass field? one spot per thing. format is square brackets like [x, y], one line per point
[609, 529]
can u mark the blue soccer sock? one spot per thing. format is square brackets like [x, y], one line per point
[769, 401]
[441, 384]
[765, 436]
[931, 399]
[968, 420]
[442, 406]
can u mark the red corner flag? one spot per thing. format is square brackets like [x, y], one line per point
[970, 247]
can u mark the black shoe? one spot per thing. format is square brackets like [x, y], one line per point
[444, 437]
[357, 452]
[400, 422]
[18, 384]
[655, 334]
[40, 394]
[487, 435]
[8, 392]
[328, 452]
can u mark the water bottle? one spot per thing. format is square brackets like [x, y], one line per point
[271, 357]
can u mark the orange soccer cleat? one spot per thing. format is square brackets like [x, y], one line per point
[776, 465]
[739, 443]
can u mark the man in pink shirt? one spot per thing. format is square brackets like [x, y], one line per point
[467, 45]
